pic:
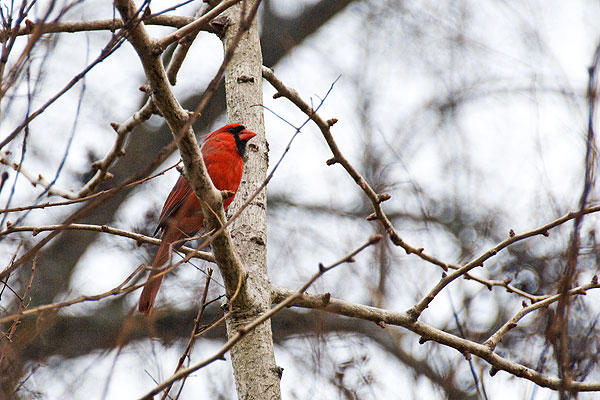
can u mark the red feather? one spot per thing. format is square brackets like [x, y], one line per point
[181, 215]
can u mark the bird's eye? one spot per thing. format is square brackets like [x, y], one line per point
[231, 130]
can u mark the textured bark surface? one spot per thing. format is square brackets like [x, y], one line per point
[256, 373]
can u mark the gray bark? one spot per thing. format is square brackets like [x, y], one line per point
[256, 373]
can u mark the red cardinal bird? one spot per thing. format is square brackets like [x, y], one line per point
[181, 215]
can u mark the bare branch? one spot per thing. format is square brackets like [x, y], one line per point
[138, 237]
[36, 180]
[493, 341]
[241, 332]
[384, 317]
[110, 47]
[120, 289]
[195, 26]
[478, 262]
[375, 198]
[23, 304]
[116, 151]
[559, 330]
[7, 80]
[112, 25]
[86, 198]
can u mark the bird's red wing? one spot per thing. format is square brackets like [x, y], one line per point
[178, 194]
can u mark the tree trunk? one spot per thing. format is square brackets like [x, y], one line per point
[256, 374]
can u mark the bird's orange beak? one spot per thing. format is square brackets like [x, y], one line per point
[246, 135]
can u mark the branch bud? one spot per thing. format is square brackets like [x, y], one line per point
[97, 164]
[381, 197]
[375, 238]
[372, 217]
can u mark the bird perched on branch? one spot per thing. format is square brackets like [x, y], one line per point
[181, 215]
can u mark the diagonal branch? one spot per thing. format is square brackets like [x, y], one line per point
[338, 158]
[120, 289]
[127, 185]
[122, 130]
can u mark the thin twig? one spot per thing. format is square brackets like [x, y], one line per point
[90, 197]
[122, 130]
[138, 237]
[196, 25]
[120, 289]
[497, 336]
[175, 21]
[23, 304]
[194, 333]
[38, 179]
[478, 262]
[4, 281]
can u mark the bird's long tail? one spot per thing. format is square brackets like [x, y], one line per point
[158, 265]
